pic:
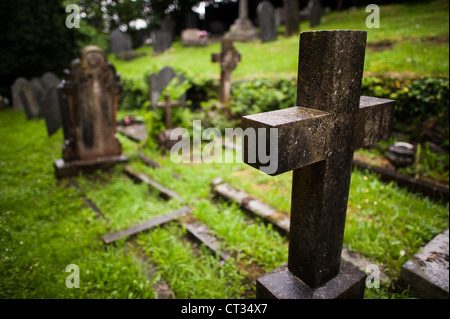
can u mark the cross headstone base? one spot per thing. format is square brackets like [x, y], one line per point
[280, 283]
[75, 167]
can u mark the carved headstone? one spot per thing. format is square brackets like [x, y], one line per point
[90, 92]
[266, 19]
[316, 139]
[228, 59]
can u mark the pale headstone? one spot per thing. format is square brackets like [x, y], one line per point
[194, 37]
[91, 89]
[266, 19]
[426, 273]
[316, 139]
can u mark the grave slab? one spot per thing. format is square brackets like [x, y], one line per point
[157, 221]
[427, 272]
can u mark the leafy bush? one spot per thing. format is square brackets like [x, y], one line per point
[262, 95]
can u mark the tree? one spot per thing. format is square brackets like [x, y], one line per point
[34, 39]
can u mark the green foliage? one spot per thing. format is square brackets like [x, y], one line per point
[134, 95]
[262, 95]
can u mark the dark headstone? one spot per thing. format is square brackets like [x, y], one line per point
[91, 90]
[120, 42]
[266, 19]
[51, 109]
[15, 93]
[316, 139]
[161, 40]
[30, 96]
[158, 82]
[291, 18]
[401, 154]
[315, 13]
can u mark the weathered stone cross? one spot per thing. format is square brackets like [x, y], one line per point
[228, 58]
[316, 139]
[167, 105]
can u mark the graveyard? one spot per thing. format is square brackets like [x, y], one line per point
[137, 168]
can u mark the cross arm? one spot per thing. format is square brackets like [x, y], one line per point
[305, 136]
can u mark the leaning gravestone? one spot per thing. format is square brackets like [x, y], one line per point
[266, 19]
[120, 42]
[158, 82]
[15, 93]
[316, 139]
[90, 92]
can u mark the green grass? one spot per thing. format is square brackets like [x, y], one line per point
[45, 225]
[417, 34]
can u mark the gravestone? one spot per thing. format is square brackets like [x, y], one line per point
[316, 139]
[426, 273]
[266, 19]
[194, 37]
[50, 103]
[120, 42]
[90, 91]
[313, 12]
[51, 109]
[16, 87]
[242, 28]
[30, 96]
[291, 18]
[228, 59]
[163, 138]
[158, 82]
[161, 40]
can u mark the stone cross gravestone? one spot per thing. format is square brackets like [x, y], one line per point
[266, 19]
[316, 139]
[242, 28]
[120, 42]
[291, 18]
[163, 138]
[158, 82]
[228, 59]
[90, 93]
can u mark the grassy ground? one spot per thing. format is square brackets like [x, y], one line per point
[412, 41]
[46, 226]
